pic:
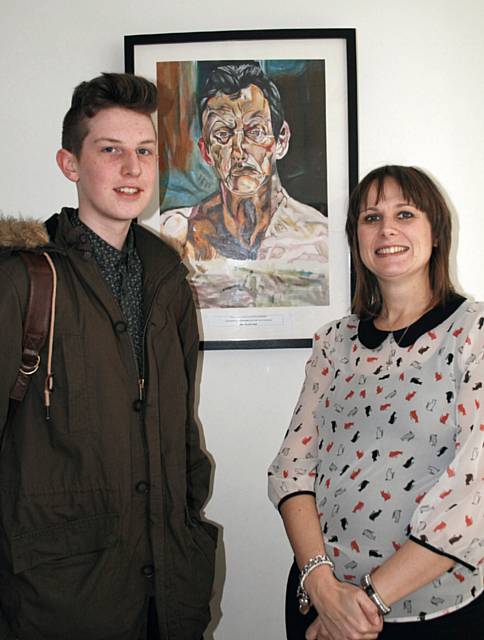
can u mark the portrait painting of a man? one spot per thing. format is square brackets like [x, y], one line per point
[252, 226]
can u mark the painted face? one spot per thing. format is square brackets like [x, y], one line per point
[115, 171]
[395, 238]
[237, 139]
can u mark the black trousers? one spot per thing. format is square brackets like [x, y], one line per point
[466, 623]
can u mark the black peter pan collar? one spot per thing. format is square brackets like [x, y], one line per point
[371, 337]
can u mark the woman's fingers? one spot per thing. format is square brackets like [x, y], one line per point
[317, 631]
[346, 613]
[324, 628]
[370, 610]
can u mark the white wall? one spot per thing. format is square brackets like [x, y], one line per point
[421, 99]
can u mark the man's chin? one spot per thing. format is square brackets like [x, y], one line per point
[244, 185]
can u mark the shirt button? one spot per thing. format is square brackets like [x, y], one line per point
[120, 326]
[142, 487]
[148, 570]
[83, 238]
[137, 404]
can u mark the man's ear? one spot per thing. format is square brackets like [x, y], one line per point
[67, 163]
[282, 144]
[202, 145]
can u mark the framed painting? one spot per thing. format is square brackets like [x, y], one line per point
[257, 155]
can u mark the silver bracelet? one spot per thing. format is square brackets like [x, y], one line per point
[301, 594]
[367, 586]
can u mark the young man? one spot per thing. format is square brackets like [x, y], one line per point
[101, 535]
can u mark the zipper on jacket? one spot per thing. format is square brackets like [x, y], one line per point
[141, 378]
[140, 367]
[141, 388]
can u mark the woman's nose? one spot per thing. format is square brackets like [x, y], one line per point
[387, 227]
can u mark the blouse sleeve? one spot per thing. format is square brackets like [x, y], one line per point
[450, 518]
[294, 470]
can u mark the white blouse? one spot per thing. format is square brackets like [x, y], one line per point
[390, 440]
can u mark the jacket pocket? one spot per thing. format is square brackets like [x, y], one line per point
[204, 534]
[194, 568]
[64, 541]
[67, 580]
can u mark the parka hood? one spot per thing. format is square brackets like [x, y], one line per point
[25, 233]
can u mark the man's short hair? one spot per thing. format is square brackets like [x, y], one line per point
[231, 78]
[107, 90]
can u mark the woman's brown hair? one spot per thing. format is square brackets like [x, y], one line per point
[417, 188]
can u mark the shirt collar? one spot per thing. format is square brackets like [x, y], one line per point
[371, 337]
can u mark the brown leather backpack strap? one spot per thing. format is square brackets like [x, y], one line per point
[36, 321]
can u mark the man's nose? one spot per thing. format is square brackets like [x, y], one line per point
[238, 143]
[131, 164]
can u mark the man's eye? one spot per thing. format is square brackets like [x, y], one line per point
[257, 134]
[222, 135]
[109, 149]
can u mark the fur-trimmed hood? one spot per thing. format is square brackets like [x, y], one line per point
[28, 233]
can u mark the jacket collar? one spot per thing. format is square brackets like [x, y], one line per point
[158, 258]
[371, 337]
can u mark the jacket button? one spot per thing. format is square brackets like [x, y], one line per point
[83, 238]
[148, 570]
[87, 255]
[142, 487]
[137, 404]
[120, 326]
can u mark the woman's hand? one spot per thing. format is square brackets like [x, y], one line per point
[345, 611]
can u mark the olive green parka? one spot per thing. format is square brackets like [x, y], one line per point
[100, 506]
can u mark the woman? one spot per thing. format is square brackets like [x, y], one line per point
[380, 473]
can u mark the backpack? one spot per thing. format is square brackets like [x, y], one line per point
[38, 324]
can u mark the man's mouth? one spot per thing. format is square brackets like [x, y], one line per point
[130, 191]
[243, 169]
[386, 251]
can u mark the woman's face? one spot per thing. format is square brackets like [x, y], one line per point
[394, 237]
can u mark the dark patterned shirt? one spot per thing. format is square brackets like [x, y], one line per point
[123, 273]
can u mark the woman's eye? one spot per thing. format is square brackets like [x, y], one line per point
[406, 214]
[369, 218]
[144, 152]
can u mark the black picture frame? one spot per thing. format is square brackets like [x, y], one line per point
[139, 53]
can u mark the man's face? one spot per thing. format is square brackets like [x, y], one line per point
[237, 139]
[116, 168]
